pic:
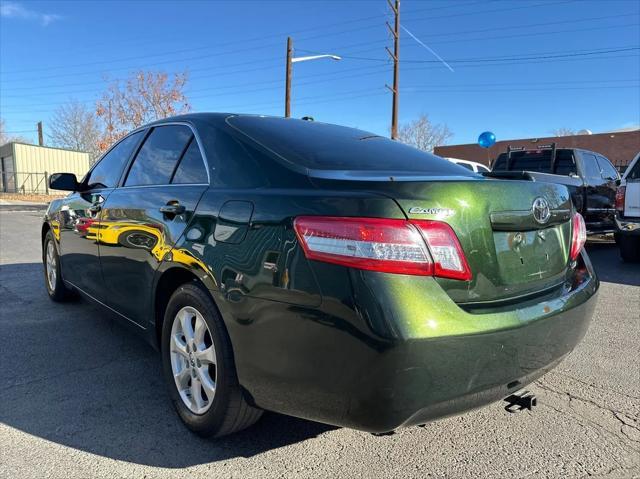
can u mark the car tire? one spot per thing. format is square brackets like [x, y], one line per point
[629, 248]
[227, 411]
[52, 272]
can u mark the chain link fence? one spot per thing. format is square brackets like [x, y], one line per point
[24, 183]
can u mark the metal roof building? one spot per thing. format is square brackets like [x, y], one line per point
[25, 168]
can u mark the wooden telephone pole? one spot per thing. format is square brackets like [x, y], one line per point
[395, 31]
[40, 135]
[287, 90]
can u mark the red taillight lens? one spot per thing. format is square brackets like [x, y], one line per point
[387, 245]
[448, 257]
[620, 194]
[578, 235]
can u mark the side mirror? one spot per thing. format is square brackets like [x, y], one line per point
[64, 182]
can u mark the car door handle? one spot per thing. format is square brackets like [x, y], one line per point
[172, 209]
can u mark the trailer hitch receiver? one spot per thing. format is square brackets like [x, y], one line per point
[520, 400]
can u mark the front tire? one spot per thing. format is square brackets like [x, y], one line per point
[629, 248]
[52, 272]
[199, 368]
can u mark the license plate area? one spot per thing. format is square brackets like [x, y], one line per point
[529, 256]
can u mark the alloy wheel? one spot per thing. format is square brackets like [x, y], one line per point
[193, 360]
[50, 264]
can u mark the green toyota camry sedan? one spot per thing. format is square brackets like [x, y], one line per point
[320, 271]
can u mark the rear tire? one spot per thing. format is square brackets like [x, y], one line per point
[52, 272]
[629, 248]
[198, 366]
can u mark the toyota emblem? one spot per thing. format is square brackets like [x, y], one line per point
[541, 210]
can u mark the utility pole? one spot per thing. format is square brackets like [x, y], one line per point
[40, 135]
[395, 31]
[287, 91]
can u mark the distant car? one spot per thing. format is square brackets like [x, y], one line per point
[590, 177]
[469, 165]
[321, 271]
[628, 212]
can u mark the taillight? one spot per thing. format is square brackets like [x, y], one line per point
[427, 248]
[620, 194]
[578, 235]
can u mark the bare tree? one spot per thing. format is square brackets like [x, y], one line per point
[75, 126]
[144, 97]
[423, 134]
[5, 137]
[563, 131]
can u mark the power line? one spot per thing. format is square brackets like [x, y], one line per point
[214, 75]
[373, 70]
[533, 34]
[257, 39]
[21, 108]
[482, 60]
[334, 77]
[518, 27]
[53, 89]
[249, 40]
[319, 99]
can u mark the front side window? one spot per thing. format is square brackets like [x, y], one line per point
[109, 169]
[159, 155]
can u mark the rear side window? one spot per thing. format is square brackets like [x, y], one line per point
[191, 167]
[159, 155]
[465, 165]
[607, 169]
[565, 163]
[321, 146]
[590, 165]
[108, 170]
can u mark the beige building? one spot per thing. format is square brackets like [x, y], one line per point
[26, 168]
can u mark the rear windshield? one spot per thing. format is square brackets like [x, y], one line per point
[538, 160]
[322, 146]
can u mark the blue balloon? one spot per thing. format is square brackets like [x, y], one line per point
[486, 139]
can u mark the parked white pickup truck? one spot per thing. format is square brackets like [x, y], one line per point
[628, 212]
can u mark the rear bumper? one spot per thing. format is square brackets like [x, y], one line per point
[421, 380]
[628, 226]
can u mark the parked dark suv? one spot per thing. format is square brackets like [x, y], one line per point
[590, 177]
[321, 271]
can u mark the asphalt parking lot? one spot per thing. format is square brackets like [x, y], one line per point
[82, 397]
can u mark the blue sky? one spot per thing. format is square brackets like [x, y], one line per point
[51, 52]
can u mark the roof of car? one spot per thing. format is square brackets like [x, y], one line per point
[211, 117]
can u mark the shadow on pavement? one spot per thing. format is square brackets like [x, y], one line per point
[605, 257]
[72, 375]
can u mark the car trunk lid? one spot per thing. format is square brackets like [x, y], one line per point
[510, 253]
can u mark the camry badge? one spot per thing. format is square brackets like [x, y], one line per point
[442, 212]
[541, 210]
